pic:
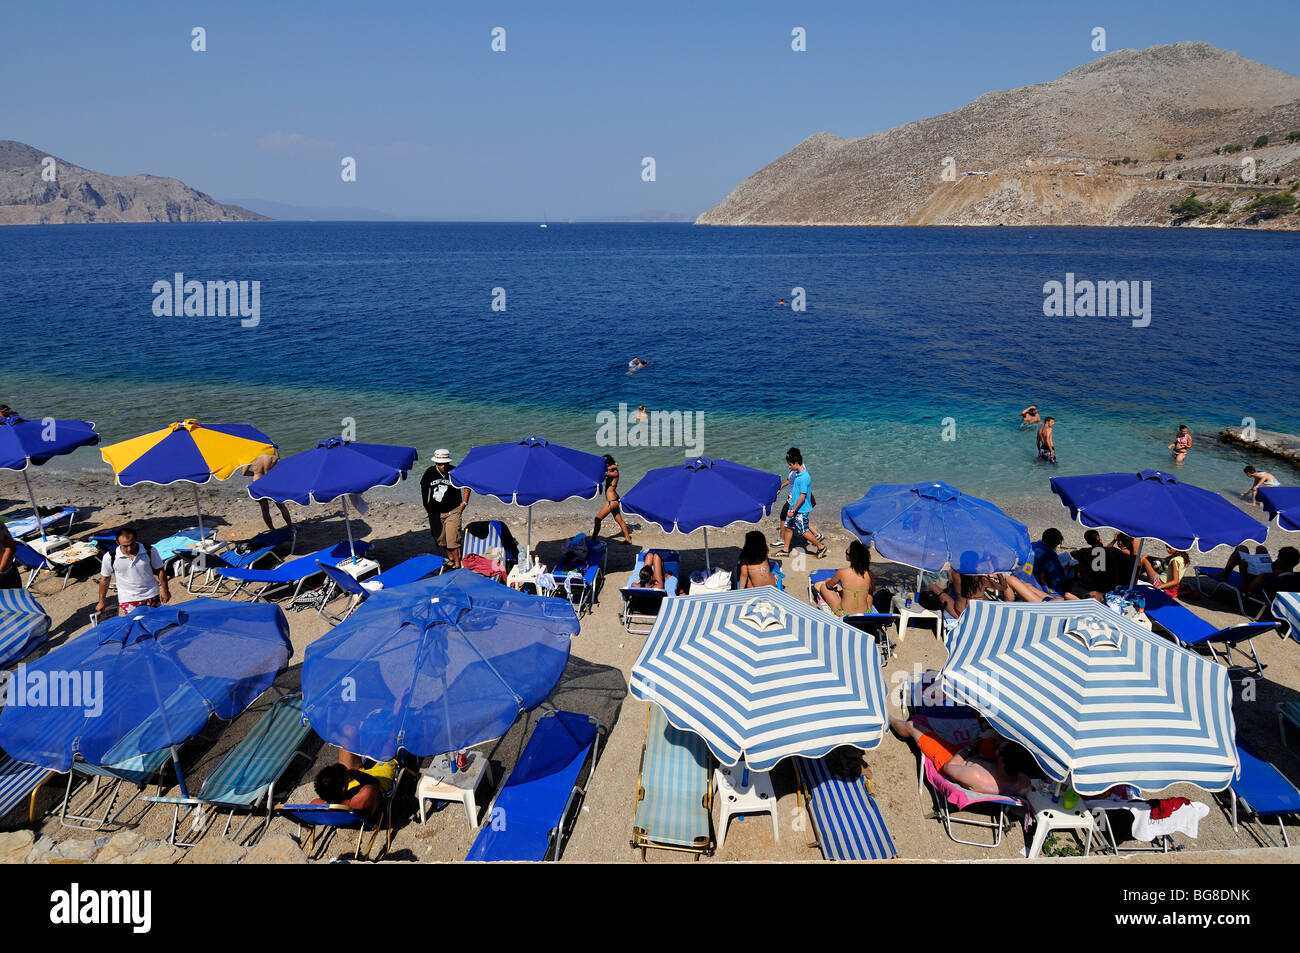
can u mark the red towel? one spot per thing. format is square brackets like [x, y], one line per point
[1167, 805]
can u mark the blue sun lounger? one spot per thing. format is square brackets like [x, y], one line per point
[410, 570]
[239, 556]
[333, 817]
[1264, 793]
[532, 814]
[29, 526]
[641, 605]
[291, 574]
[139, 770]
[674, 795]
[245, 779]
[24, 626]
[875, 624]
[579, 581]
[1209, 574]
[20, 782]
[1191, 631]
[846, 819]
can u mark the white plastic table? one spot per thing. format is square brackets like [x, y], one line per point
[358, 568]
[756, 797]
[1049, 816]
[906, 614]
[49, 544]
[440, 783]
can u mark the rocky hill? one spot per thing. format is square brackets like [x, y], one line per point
[1117, 141]
[77, 195]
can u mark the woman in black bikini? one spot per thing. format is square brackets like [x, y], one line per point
[611, 507]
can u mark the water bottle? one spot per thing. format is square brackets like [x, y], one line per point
[907, 596]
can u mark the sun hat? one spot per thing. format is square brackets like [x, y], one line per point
[442, 456]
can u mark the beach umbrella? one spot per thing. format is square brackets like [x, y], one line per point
[1283, 504]
[1153, 504]
[331, 470]
[159, 671]
[186, 452]
[701, 493]
[930, 525]
[762, 676]
[1093, 696]
[26, 442]
[23, 624]
[435, 666]
[530, 471]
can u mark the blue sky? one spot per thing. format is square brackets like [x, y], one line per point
[443, 128]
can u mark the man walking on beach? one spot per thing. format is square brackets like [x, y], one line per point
[258, 469]
[1046, 440]
[141, 579]
[800, 507]
[444, 503]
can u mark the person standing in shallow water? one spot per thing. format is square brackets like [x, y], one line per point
[1182, 443]
[1047, 440]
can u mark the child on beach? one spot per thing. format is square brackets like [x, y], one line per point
[1182, 443]
[1258, 480]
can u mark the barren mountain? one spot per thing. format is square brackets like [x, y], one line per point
[1116, 141]
[34, 191]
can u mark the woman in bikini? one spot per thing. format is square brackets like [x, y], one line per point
[612, 506]
[755, 570]
[848, 592]
[1182, 443]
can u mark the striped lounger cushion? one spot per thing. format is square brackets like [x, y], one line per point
[849, 825]
[252, 766]
[675, 780]
[17, 782]
[23, 624]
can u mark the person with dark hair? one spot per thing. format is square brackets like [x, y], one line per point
[754, 569]
[1182, 443]
[652, 573]
[848, 592]
[1090, 569]
[612, 505]
[1029, 417]
[1171, 569]
[1258, 480]
[1047, 565]
[1047, 440]
[356, 788]
[985, 764]
[138, 570]
[444, 502]
[1260, 571]
[965, 587]
[9, 575]
[797, 516]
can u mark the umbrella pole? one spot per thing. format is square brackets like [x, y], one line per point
[198, 509]
[529, 554]
[706, 550]
[1137, 559]
[32, 496]
[180, 775]
[347, 521]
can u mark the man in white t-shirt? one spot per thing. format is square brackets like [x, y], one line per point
[138, 571]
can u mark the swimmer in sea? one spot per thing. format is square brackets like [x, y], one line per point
[635, 365]
[1029, 417]
[1047, 440]
[781, 303]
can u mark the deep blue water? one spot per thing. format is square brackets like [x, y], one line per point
[391, 324]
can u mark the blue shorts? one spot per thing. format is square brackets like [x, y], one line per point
[798, 522]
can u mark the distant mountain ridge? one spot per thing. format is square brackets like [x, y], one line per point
[78, 195]
[1053, 153]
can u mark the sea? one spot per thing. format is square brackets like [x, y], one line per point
[899, 354]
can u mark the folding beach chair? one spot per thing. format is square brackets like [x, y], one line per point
[483, 535]
[333, 817]
[24, 625]
[1192, 632]
[138, 769]
[1257, 601]
[533, 813]
[641, 605]
[1263, 792]
[951, 800]
[20, 782]
[245, 779]
[49, 519]
[847, 823]
[674, 794]
[875, 624]
[239, 556]
[410, 570]
[579, 582]
[292, 573]
[60, 562]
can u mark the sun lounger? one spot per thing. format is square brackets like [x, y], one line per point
[482, 535]
[138, 770]
[1257, 600]
[1262, 792]
[238, 556]
[951, 799]
[245, 779]
[24, 626]
[1191, 631]
[875, 624]
[29, 526]
[846, 819]
[674, 795]
[578, 582]
[410, 570]
[61, 561]
[292, 573]
[20, 782]
[333, 817]
[641, 605]
[532, 814]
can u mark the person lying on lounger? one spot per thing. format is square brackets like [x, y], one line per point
[652, 573]
[1259, 571]
[356, 788]
[1014, 590]
[985, 764]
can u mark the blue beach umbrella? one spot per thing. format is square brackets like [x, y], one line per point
[761, 675]
[435, 666]
[530, 471]
[1093, 696]
[1283, 504]
[331, 470]
[25, 442]
[701, 493]
[160, 672]
[1153, 504]
[23, 624]
[930, 525]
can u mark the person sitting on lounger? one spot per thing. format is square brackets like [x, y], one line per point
[1260, 571]
[1258, 480]
[652, 573]
[354, 787]
[1047, 565]
[755, 570]
[1029, 417]
[848, 592]
[984, 764]
[1171, 571]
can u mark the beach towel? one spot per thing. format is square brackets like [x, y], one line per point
[1185, 820]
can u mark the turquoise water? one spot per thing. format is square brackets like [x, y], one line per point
[906, 330]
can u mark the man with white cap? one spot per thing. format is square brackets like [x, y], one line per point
[444, 503]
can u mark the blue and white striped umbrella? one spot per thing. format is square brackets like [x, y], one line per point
[1286, 608]
[1094, 696]
[23, 624]
[762, 676]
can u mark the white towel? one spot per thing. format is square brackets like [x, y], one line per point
[1185, 820]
